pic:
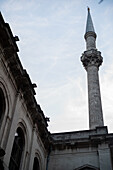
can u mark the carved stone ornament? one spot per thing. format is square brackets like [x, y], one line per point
[91, 57]
[8, 52]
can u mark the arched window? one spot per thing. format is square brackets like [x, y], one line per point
[16, 154]
[36, 164]
[2, 104]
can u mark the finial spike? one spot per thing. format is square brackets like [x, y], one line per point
[88, 8]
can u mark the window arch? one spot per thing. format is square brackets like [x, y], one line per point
[36, 164]
[17, 150]
[2, 105]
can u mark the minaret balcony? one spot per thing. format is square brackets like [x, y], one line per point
[91, 57]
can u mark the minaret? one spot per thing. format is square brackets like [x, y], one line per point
[92, 59]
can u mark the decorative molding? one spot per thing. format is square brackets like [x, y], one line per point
[90, 33]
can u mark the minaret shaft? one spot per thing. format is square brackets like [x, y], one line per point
[94, 98]
[90, 40]
[92, 59]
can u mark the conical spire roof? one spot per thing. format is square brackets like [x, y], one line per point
[89, 25]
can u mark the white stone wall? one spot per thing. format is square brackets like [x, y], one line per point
[16, 115]
[71, 159]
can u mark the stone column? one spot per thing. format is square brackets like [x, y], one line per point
[91, 60]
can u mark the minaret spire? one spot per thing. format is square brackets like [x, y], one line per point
[89, 26]
[92, 59]
[90, 32]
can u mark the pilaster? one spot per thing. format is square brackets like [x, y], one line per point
[104, 157]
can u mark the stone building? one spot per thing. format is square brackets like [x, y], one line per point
[25, 142]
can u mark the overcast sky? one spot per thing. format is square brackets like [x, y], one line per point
[51, 34]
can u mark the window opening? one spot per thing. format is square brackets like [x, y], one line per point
[36, 164]
[17, 150]
[2, 104]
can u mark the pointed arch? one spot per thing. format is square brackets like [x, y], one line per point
[87, 167]
[2, 104]
[17, 150]
[4, 100]
[21, 139]
[23, 126]
[36, 165]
